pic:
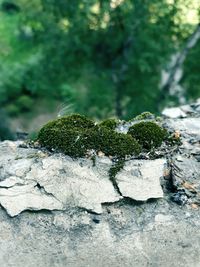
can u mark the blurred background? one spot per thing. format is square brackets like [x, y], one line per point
[101, 58]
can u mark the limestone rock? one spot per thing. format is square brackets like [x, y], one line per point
[140, 179]
[53, 183]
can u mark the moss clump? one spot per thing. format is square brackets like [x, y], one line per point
[74, 120]
[112, 143]
[144, 116]
[148, 134]
[66, 135]
[68, 141]
[75, 134]
[109, 123]
[118, 165]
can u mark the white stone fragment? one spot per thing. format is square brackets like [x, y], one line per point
[140, 179]
[75, 183]
[173, 113]
[189, 126]
[27, 197]
[56, 182]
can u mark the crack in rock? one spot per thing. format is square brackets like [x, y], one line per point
[58, 182]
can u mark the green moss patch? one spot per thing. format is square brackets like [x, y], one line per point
[148, 134]
[144, 116]
[116, 167]
[109, 123]
[112, 143]
[75, 134]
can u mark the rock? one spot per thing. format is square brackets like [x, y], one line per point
[30, 181]
[55, 182]
[58, 211]
[174, 113]
[187, 126]
[163, 218]
[27, 197]
[189, 110]
[185, 178]
[140, 179]
[129, 235]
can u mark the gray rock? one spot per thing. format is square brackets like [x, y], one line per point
[150, 234]
[189, 110]
[140, 179]
[54, 183]
[186, 126]
[185, 178]
[175, 112]
[33, 180]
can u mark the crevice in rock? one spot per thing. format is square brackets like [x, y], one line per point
[168, 185]
[115, 168]
[8, 187]
[44, 191]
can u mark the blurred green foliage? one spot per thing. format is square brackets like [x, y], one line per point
[102, 58]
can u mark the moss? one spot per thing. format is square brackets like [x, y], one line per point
[109, 123]
[112, 143]
[66, 135]
[144, 116]
[75, 134]
[116, 167]
[93, 158]
[71, 121]
[33, 136]
[68, 141]
[148, 134]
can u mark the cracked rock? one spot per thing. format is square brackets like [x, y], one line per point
[58, 182]
[54, 183]
[185, 178]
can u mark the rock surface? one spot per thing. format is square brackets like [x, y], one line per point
[33, 180]
[140, 179]
[61, 212]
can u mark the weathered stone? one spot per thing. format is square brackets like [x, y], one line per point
[185, 178]
[126, 236]
[174, 113]
[55, 182]
[140, 179]
[187, 126]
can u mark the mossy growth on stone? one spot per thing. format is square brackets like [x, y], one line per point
[115, 168]
[66, 134]
[74, 120]
[109, 123]
[68, 141]
[148, 134]
[112, 143]
[74, 135]
[144, 116]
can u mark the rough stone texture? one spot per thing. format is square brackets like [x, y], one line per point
[140, 179]
[34, 181]
[79, 218]
[152, 234]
